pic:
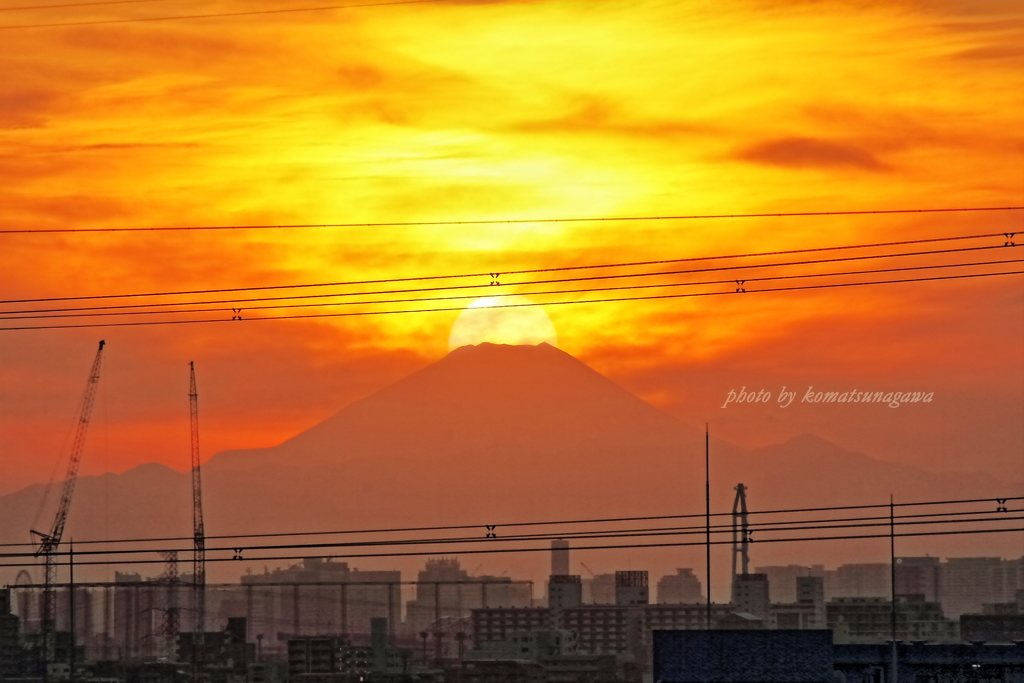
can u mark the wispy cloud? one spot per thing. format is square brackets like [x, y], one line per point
[798, 152]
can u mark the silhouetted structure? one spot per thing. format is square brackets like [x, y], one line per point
[600, 629]
[446, 591]
[998, 622]
[782, 579]
[602, 589]
[967, 583]
[225, 654]
[10, 645]
[747, 656]
[683, 587]
[559, 557]
[537, 655]
[750, 594]
[868, 620]
[872, 580]
[812, 657]
[918, 576]
[565, 591]
[807, 611]
[631, 588]
[317, 597]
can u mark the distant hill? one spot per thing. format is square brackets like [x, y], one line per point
[487, 435]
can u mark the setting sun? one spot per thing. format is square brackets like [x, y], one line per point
[505, 320]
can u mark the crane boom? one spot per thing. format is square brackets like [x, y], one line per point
[48, 542]
[198, 535]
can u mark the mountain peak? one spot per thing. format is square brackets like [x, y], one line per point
[498, 399]
[491, 346]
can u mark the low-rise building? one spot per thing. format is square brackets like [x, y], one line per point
[998, 622]
[549, 656]
[337, 657]
[10, 647]
[811, 657]
[869, 620]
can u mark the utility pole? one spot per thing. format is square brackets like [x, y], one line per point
[707, 518]
[892, 581]
[71, 606]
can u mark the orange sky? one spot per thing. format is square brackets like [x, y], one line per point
[495, 110]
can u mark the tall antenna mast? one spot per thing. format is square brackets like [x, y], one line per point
[198, 535]
[740, 534]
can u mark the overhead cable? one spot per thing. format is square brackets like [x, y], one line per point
[1000, 503]
[210, 306]
[220, 15]
[504, 272]
[651, 297]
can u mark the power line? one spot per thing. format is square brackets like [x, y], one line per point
[529, 271]
[80, 312]
[595, 520]
[507, 221]
[246, 13]
[796, 525]
[547, 549]
[588, 278]
[809, 525]
[77, 4]
[652, 297]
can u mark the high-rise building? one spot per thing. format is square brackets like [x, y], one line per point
[750, 595]
[858, 581]
[967, 583]
[631, 588]
[918, 576]
[810, 590]
[316, 596]
[565, 590]
[602, 589]
[782, 579]
[445, 591]
[681, 588]
[559, 558]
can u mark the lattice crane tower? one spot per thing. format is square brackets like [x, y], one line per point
[199, 537]
[48, 542]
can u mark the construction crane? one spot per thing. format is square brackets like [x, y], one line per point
[199, 538]
[48, 542]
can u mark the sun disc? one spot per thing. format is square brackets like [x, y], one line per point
[502, 320]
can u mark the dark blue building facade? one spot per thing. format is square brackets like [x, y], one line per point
[809, 656]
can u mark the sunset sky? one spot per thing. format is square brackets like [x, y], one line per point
[455, 111]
